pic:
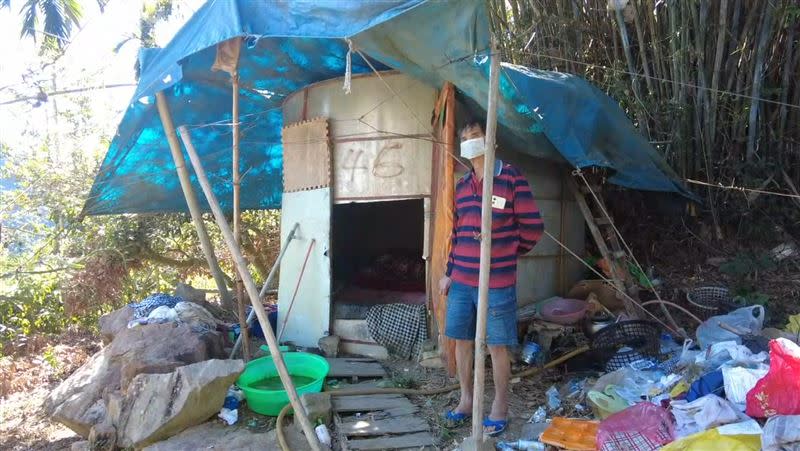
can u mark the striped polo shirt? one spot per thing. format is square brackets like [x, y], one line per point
[516, 227]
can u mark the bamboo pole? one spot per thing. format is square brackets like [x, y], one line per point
[486, 250]
[252, 291]
[237, 216]
[191, 200]
[264, 288]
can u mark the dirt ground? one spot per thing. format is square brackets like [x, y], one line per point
[26, 378]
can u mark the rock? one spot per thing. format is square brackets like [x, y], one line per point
[213, 435]
[318, 407]
[83, 445]
[329, 345]
[189, 293]
[113, 323]
[103, 437]
[157, 406]
[78, 401]
[194, 314]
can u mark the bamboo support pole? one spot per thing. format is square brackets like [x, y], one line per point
[191, 200]
[237, 216]
[252, 291]
[265, 288]
[486, 250]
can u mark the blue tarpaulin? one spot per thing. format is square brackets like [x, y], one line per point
[290, 44]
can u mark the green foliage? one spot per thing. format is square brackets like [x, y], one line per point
[744, 269]
[57, 17]
[49, 356]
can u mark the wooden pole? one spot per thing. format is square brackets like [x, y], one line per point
[486, 250]
[237, 216]
[191, 200]
[252, 291]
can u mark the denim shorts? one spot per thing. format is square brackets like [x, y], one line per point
[501, 322]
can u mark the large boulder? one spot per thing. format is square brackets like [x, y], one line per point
[78, 402]
[113, 323]
[157, 406]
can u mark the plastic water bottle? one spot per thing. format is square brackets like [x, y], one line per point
[525, 445]
[323, 435]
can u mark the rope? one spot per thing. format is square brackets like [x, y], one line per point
[743, 189]
[348, 69]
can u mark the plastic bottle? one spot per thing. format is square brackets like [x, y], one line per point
[525, 445]
[323, 435]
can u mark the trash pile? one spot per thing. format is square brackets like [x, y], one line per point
[734, 386]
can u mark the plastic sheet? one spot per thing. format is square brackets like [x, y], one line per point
[711, 440]
[782, 433]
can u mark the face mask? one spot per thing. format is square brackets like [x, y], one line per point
[473, 148]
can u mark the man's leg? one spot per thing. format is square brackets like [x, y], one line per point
[460, 326]
[501, 372]
[464, 357]
[501, 332]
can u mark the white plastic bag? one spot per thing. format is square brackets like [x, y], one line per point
[739, 381]
[781, 433]
[162, 314]
[748, 319]
[702, 413]
[730, 353]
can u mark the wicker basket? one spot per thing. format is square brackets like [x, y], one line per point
[642, 337]
[706, 302]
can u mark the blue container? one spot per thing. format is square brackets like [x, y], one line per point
[531, 352]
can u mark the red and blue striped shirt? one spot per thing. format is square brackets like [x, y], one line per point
[516, 227]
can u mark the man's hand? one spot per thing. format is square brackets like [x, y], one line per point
[444, 285]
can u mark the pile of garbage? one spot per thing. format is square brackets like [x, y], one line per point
[735, 387]
[163, 369]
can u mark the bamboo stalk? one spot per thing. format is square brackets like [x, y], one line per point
[642, 50]
[237, 215]
[191, 201]
[486, 250]
[758, 76]
[711, 118]
[252, 291]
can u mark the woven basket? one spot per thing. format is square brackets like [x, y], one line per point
[706, 302]
[641, 336]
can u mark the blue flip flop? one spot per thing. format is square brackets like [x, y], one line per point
[454, 417]
[497, 427]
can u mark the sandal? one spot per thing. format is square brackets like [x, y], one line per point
[493, 428]
[456, 418]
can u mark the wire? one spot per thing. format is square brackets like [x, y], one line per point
[68, 91]
[688, 85]
[742, 189]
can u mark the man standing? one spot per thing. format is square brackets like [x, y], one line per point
[516, 227]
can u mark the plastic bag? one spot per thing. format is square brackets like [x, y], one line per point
[701, 414]
[162, 314]
[713, 440]
[749, 319]
[730, 353]
[643, 427]
[739, 381]
[777, 392]
[710, 383]
[781, 433]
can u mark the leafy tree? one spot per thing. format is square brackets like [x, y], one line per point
[56, 18]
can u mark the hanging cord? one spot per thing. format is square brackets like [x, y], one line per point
[607, 216]
[348, 69]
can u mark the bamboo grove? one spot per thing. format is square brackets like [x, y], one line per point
[713, 84]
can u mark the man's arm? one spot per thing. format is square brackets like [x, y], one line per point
[453, 239]
[526, 212]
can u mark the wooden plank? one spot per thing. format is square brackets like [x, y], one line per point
[344, 367]
[369, 403]
[393, 425]
[397, 442]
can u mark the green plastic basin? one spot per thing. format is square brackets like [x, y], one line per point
[270, 402]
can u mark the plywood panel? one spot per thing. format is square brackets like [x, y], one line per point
[306, 155]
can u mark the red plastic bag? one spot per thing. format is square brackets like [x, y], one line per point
[643, 427]
[778, 393]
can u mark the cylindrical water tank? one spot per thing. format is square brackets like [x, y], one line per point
[380, 132]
